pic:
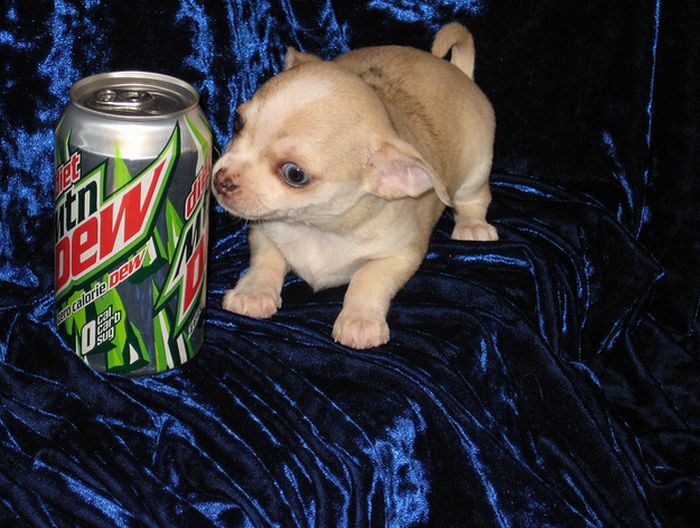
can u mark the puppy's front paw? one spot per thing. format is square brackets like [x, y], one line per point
[360, 331]
[259, 304]
[481, 231]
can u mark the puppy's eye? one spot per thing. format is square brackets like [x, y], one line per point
[238, 122]
[294, 175]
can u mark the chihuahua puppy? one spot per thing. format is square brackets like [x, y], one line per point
[343, 169]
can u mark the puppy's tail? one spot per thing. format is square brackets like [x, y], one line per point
[457, 38]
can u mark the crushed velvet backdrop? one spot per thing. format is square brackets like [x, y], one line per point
[548, 379]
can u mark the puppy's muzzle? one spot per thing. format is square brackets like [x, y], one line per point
[224, 183]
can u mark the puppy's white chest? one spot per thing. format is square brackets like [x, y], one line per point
[322, 259]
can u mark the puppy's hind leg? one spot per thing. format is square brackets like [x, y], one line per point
[470, 204]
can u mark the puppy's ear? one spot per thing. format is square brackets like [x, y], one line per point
[295, 57]
[397, 170]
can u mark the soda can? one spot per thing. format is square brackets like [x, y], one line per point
[132, 168]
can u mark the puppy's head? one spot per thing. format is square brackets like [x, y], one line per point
[310, 144]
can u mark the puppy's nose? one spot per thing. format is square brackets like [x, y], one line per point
[223, 183]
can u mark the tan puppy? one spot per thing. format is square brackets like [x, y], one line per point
[344, 167]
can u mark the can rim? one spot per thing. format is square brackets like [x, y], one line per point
[188, 94]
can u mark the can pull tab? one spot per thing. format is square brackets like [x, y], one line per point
[124, 100]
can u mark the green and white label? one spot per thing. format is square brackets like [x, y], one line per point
[130, 264]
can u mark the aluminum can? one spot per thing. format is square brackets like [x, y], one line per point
[132, 168]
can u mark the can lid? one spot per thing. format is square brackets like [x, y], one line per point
[134, 95]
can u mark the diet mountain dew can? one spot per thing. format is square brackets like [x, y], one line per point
[133, 161]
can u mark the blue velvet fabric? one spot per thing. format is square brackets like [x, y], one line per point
[548, 379]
